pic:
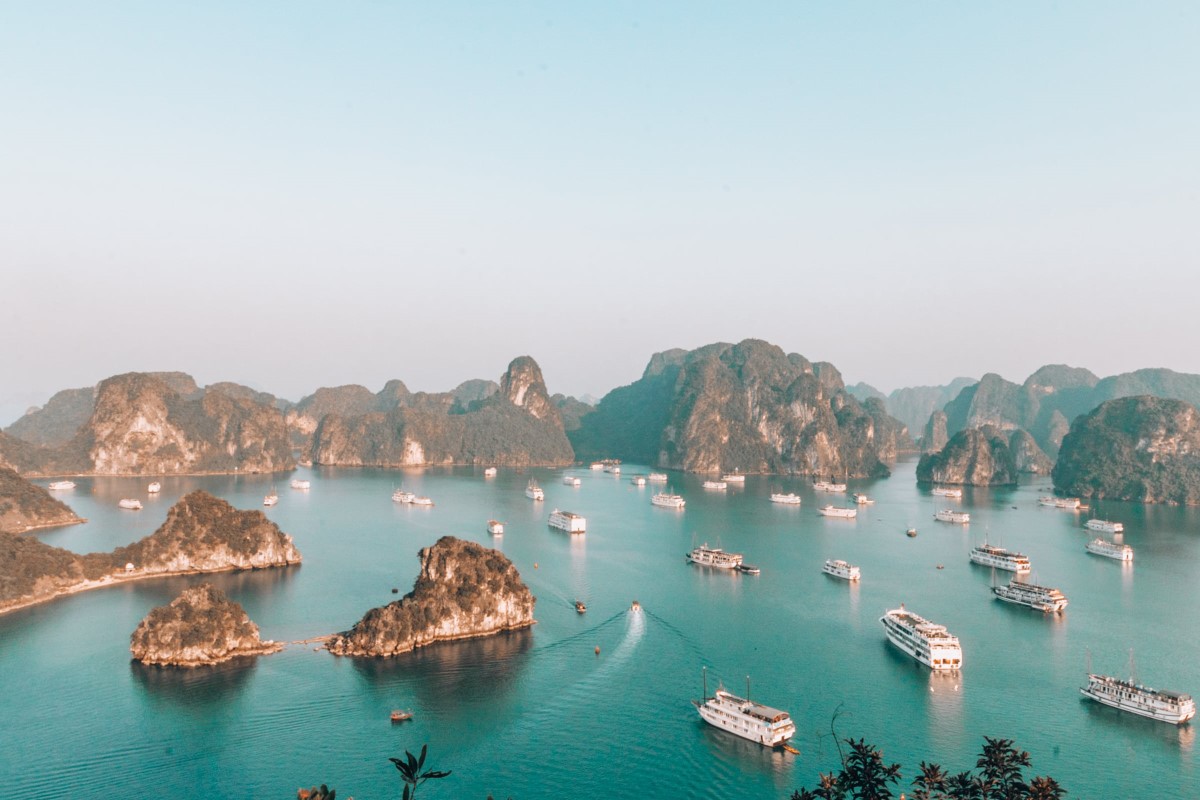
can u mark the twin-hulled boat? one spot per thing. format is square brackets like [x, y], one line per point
[567, 522]
[837, 511]
[1041, 598]
[841, 569]
[1103, 547]
[950, 515]
[930, 644]
[991, 556]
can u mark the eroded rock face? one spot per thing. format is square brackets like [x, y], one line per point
[522, 384]
[975, 457]
[200, 627]
[1143, 449]
[464, 590]
[25, 506]
[935, 437]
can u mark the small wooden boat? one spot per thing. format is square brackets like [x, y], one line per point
[399, 715]
[911, 533]
[580, 607]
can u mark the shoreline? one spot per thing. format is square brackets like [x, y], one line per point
[47, 525]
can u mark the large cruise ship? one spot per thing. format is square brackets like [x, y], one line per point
[928, 643]
[1042, 598]
[1104, 526]
[567, 522]
[841, 569]
[707, 556]
[1103, 547]
[1128, 696]
[950, 515]
[942, 491]
[1069, 503]
[991, 556]
[664, 500]
[790, 499]
[836, 511]
[533, 491]
[758, 723]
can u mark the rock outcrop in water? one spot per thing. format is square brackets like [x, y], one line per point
[975, 457]
[747, 406]
[200, 627]
[464, 590]
[516, 425]
[201, 534]
[1142, 449]
[25, 506]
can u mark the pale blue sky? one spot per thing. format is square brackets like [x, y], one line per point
[299, 194]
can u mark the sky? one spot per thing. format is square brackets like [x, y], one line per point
[301, 194]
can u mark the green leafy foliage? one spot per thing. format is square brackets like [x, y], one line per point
[410, 768]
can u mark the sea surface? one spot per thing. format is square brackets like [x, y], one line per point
[538, 714]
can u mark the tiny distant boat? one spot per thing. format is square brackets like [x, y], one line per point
[949, 515]
[635, 606]
[401, 496]
[945, 491]
[664, 500]
[130, 504]
[1041, 598]
[401, 716]
[299, 484]
[991, 556]
[533, 491]
[61, 486]
[716, 485]
[638, 480]
[580, 607]
[841, 569]
[707, 556]
[271, 499]
[421, 501]
[837, 511]
[767, 726]
[1128, 695]
[749, 569]
[911, 533]
[734, 477]
[1104, 526]
[567, 522]
[1068, 503]
[658, 477]
[615, 469]
[1103, 547]
[570, 480]
[829, 486]
[863, 500]
[154, 488]
[490, 472]
[789, 499]
[596, 466]
[495, 528]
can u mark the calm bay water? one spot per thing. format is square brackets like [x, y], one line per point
[537, 714]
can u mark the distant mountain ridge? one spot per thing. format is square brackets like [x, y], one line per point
[913, 405]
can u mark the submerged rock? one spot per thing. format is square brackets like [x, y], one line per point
[200, 627]
[464, 590]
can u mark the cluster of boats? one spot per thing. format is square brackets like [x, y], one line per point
[411, 499]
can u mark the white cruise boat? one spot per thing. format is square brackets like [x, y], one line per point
[658, 477]
[1128, 696]
[863, 500]
[1103, 547]
[420, 501]
[828, 486]
[837, 511]
[1069, 503]
[841, 569]
[707, 556]
[299, 484]
[567, 522]
[271, 499]
[945, 491]
[61, 486]
[1104, 526]
[715, 485]
[615, 469]
[490, 472]
[664, 500]
[401, 496]
[638, 480]
[571, 480]
[130, 504]
[930, 644]
[734, 477]
[596, 466]
[495, 527]
[950, 515]
[789, 499]
[758, 723]
[154, 488]
[533, 491]
[991, 556]
[1042, 598]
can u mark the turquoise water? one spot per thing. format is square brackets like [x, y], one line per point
[539, 714]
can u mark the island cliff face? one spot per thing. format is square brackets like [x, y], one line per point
[976, 457]
[25, 506]
[200, 627]
[517, 425]
[747, 406]
[201, 534]
[1143, 449]
[464, 590]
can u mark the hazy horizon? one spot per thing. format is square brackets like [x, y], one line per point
[303, 195]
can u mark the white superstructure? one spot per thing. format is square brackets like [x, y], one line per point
[658, 477]
[1042, 598]
[950, 515]
[863, 500]
[945, 491]
[61, 486]
[420, 501]
[615, 469]
[715, 485]
[299, 484]
[154, 488]
[1128, 696]
[271, 499]
[837, 511]
[1069, 503]
[571, 480]
[490, 472]
[991, 556]
[495, 527]
[707, 556]
[533, 491]
[829, 486]
[638, 480]
[596, 466]
[130, 504]
[1103, 547]
[841, 569]
[664, 500]
[567, 522]
[758, 723]
[1104, 526]
[930, 644]
[789, 499]
[734, 477]
[401, 496]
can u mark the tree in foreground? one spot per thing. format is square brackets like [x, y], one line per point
[410, 772]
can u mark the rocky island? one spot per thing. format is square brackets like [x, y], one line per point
[1143, 449]
[464, 590]
[200, 627]
[25, 506]
[984, 456]
[201, 534]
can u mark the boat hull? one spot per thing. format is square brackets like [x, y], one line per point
[1141, 709]
[753, 733]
